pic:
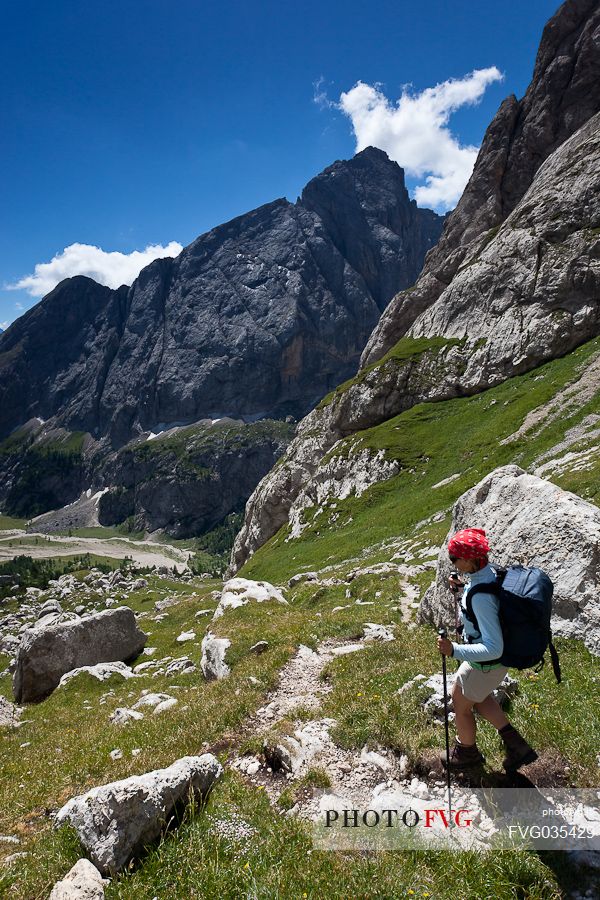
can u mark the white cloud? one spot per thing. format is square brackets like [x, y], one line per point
[413, 131]
[320, 95]
[110, 268]
[4, 325]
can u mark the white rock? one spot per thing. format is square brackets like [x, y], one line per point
[375, 759]
[113, 820]
[122, 715]
[101, 671]
[186, 636]
[349, 648]
[151, 699]
[162, 707]
[240, 591]
[373, 632]
[213, 663]
[182, 665]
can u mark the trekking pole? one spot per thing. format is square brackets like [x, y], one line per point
[442, 633]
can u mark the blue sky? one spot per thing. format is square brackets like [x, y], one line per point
[149, 122]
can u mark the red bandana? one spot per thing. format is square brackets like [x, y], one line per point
[470, 543]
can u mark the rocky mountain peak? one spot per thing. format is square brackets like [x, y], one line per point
[260, 316]
[563, 94]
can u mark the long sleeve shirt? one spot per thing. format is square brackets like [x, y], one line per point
[488, 642]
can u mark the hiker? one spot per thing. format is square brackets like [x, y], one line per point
[480, 672]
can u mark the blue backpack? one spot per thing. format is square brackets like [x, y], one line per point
[525, 596]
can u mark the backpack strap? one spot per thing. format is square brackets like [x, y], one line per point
[555, 660]
[487, 587]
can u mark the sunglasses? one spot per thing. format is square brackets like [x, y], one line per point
[453, 558]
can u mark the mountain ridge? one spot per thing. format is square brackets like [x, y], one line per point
[267, 300]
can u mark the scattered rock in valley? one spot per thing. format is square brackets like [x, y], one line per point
[213, 663]
[101, 671]
[241, 591]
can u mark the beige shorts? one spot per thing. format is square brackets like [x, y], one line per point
[476, 684]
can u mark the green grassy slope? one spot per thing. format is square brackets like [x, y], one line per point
[432, 442]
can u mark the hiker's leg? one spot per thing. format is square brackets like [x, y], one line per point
[491, 710]
[463, 712]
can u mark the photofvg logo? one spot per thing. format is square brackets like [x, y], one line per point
[396, 818]
[479, 819]
[390, 828]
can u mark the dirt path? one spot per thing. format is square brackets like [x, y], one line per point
[308, 744]
[144, 553]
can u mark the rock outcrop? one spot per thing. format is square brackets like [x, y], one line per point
[117, 820]
[533, 522]
[525, 292]
[46, 654]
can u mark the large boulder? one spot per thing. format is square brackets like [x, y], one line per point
[531, 521]
[45, 655]
[115, 821]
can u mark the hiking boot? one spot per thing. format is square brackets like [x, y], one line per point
[462, 756]
[518, 751]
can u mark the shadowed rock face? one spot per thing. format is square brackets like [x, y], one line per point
[261, 315]
[564, 93]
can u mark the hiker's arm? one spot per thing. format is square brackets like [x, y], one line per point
[491, 643]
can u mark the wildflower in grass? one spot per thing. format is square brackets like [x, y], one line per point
[359, 694]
